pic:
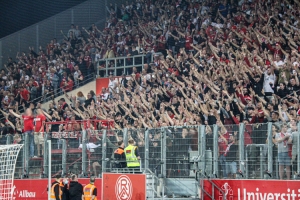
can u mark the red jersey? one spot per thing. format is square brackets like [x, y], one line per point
[188, 42]
[161, 45]
[38, 121]
[25, 94]
[28, 123]
[88, 61]
[69, 86]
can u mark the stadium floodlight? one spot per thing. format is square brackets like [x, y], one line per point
[8, 159]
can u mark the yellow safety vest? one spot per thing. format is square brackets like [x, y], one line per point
[52, 195]
[131, 158]
[88, 192]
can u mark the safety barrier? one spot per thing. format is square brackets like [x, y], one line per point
[169, 152]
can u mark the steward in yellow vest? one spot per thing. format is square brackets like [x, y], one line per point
[90, 190]
[56, 189]
[132, 155]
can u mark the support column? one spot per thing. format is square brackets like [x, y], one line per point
[270, 149]
[242, 162]
[104, 143]
[215, 151]
[146, 165]
[64, 157]
[84, 152]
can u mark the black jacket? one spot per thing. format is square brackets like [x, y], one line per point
[65, 191]
[75, 190]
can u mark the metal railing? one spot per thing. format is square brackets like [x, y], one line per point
[121, 65]
[177, 153]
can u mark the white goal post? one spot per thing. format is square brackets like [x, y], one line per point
[8, 159]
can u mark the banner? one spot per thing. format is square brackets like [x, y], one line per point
[103, 83]
[123, 186]
[254, 189]
[27, 189]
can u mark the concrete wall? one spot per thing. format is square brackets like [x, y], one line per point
[84, 89]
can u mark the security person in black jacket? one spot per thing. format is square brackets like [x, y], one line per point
[119, 156]
[76, 189]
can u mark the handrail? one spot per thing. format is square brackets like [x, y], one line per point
[214, 186]
[159, 180]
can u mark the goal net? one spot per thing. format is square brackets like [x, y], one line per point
[8, 158]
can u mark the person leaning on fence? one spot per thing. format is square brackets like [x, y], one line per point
[39, 124]
[231, 156]
[294, 141]
[90, 190]
[283, 158]
[132, 155]
[119, 156]
[56, 190]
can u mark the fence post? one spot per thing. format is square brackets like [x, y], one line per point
[26, 149]
[84, 154]
[115, 70]
[298, 149]
[242, 147]
[106, 67]
[125, 136]
[64, 157]
[163, 153]
[8, 139]
[104, 143]
[146, 149]
[46, 154]
[270, 148]
[215, 150]
[201, 147]
[24, 156]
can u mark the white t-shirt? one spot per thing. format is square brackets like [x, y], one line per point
[267, 80]
[112, 84]
[279, 63]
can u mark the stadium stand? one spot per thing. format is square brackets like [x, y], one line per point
[221, 62]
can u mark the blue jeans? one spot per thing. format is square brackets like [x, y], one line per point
[224, 166]
[31, 142]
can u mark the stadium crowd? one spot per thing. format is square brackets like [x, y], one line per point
[215, 62]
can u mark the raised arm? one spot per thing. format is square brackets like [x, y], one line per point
[15, 114]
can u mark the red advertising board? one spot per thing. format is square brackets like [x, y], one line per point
[254, 189]
[123, 186]
[27, 189]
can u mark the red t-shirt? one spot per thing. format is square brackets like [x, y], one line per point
[222, 144]
[38, 120]
[25, 94]
[70, 85]
[161, 45]
[188, 42]
[28, 123]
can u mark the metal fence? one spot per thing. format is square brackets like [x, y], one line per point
[40, 34]
[241, 151]
[122, 65]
